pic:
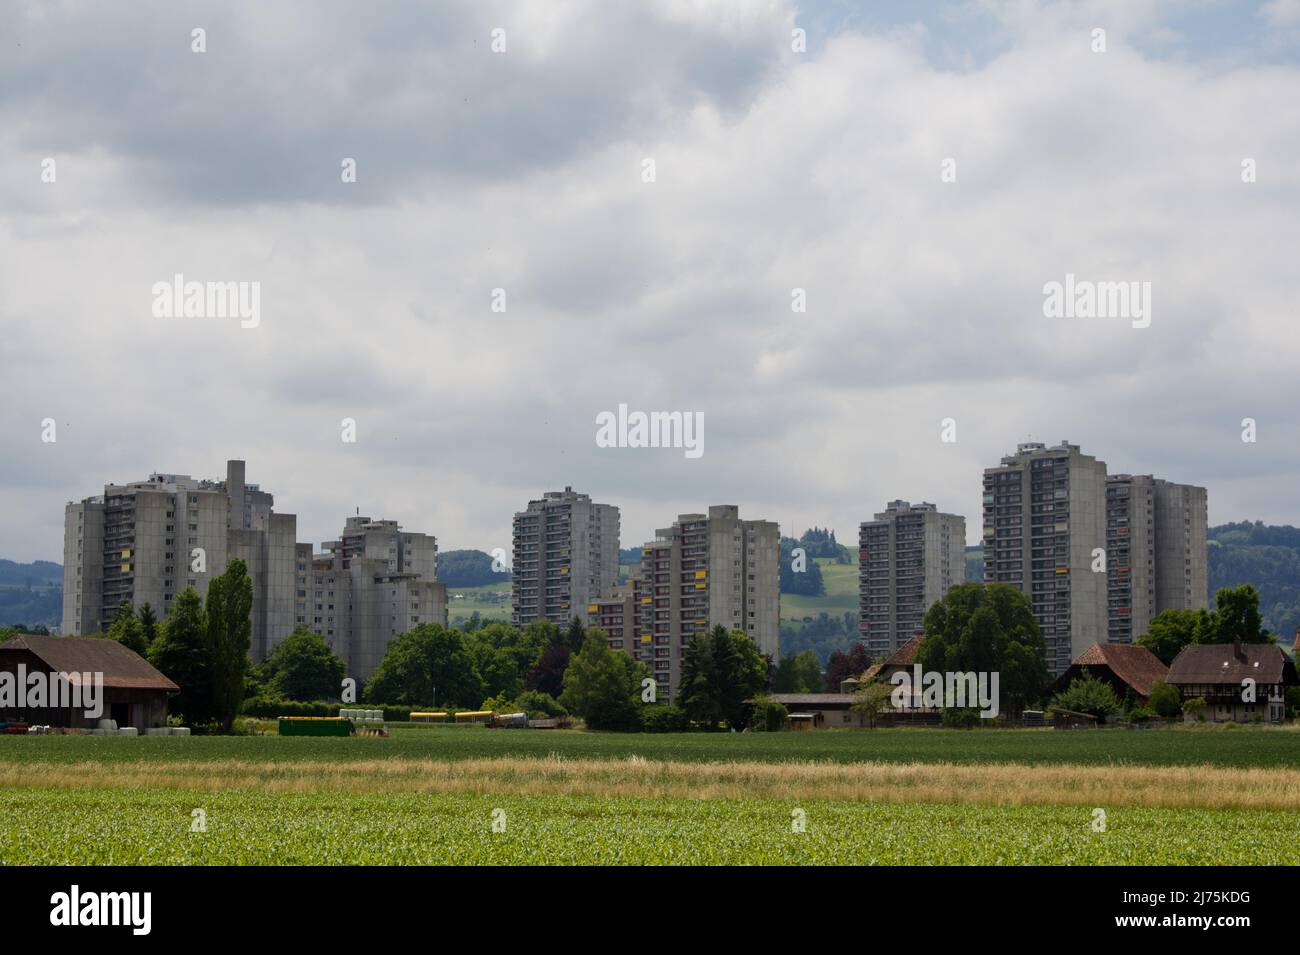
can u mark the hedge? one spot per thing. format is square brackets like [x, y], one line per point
[270, 708]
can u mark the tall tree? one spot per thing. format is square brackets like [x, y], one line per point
[987, 628]
[303, 667]
[547, 675]
[1172, 630]
[722, 671]
[179, 652]
[229, 636]
[603, 686]
[1236, 616]
[148, 624]
[429, 665]
[801, 673]
[125, 629]
[575, 638]
[843, 665]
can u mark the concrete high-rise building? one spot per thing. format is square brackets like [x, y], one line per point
[619, 615]
[704, 571]
[367, 588]
[146, 541]
[909, 556]
[565, 556]
[1156, 551]
[1044, 517]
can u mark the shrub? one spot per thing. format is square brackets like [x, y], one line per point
[270, 707]
[768, 715]
[960, 718]
[664, 719]
[1194, 709]
[1166, 700]
[1089, 695]
[539, 705]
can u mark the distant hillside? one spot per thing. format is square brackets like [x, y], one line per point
[31, 594]
[1266, 556]
[469, 568]
[39, 573]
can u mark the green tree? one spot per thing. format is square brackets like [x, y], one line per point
[1087, 694]
[429, 665]
[768, 714]
[722, 671]
[303, 667]
[603, 686]
[987, 628]
[1172, 630]
[871, 700]
[180, 654]
[1165, 699]
[801, 673]
[125, 629]
[575, 637]
[148, 624]
[228, 638]
[1236, 616]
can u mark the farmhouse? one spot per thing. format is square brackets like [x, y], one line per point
[1121, 666]
[901, 659]
[134, 693]
[1240, 682]
[819, 710]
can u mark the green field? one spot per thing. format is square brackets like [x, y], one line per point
[464, 601]
[841, 581]
[124, 827]
[1167, 747]
[427, 795]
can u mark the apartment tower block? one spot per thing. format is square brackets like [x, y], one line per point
[909, 556]
[703, 571]
[565, 555]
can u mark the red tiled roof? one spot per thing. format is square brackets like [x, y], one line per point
[904, 656]
[1136, 666]
[122, 667]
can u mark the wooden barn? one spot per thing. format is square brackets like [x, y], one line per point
[1121, 666]
[134, 693]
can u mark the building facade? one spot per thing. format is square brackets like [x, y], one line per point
[1044, 523]
[146, 541]
[909, 557]
[702, 571]
[1156, 551]
[565, 556]
[367, 588]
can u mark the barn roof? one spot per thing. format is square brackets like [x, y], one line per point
[1232, 663]
[122, 667]
[904, 656]
[1136, 666]
[813, 700]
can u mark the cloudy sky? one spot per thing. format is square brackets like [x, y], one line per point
[523, 170]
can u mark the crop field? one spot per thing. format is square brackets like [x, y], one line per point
[468, 795]
[1257, 747]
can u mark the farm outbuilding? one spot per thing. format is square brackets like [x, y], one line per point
[1123, 667]
[134, 693]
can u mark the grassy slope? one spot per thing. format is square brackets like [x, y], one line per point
[841, 595]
